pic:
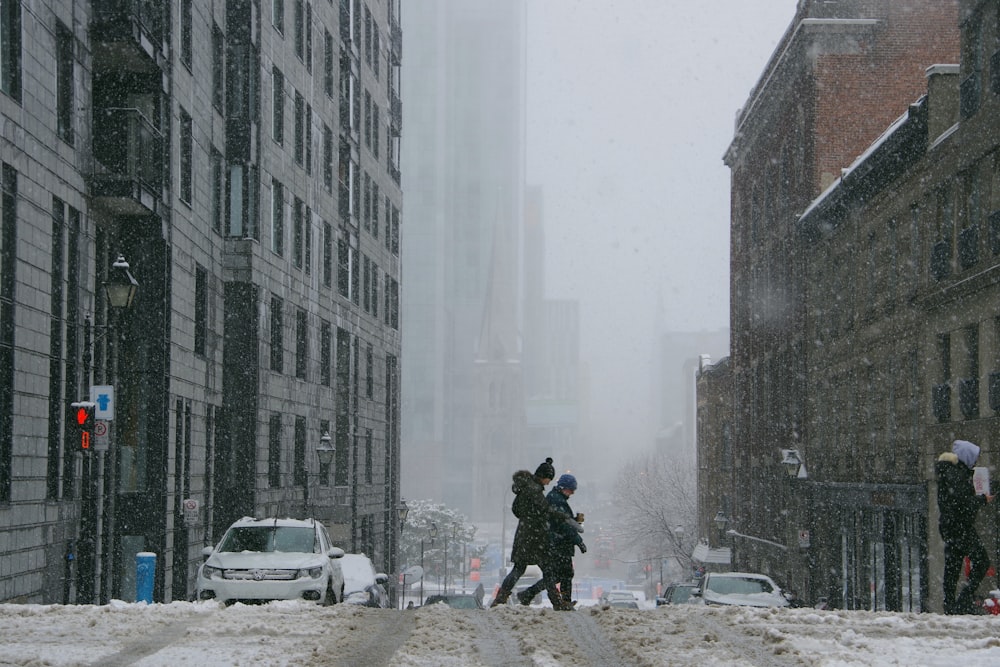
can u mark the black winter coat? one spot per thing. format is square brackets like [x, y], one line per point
[958, 503]
[564, 537]
[531, 539]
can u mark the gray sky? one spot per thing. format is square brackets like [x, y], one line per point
[631, 105]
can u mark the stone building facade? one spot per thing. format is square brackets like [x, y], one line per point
[243, 157]
[839, 77]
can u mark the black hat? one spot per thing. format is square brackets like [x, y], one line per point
[546, 470]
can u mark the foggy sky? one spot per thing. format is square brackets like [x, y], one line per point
[631, 105]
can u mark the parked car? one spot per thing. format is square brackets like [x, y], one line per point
[259, 560]
[362, 585]
[738, 588]
[676, 593]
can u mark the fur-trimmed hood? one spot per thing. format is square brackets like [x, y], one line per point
[522, 479]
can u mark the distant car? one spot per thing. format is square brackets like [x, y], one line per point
[362, 585]
[259, 560]
[738, 588]
[676, 593]
[618, 596]
[472, 600]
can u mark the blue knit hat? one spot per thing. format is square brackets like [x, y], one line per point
[567, 481]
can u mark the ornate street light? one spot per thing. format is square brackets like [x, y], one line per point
[325, 450]
[792, 462]
[121, 285]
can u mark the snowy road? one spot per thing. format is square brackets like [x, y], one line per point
[282, 634]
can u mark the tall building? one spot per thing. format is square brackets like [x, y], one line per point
[243, 159]
[464, 184]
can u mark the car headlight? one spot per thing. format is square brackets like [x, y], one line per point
[313, 572]
[209, 572]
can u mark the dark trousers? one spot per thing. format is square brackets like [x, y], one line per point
[516, 572]
[955, 552]
[559, 570]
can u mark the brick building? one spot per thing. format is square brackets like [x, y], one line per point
[840, 75]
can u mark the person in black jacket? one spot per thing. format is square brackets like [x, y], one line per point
[564, 537]
[531, 539]
[958, 505]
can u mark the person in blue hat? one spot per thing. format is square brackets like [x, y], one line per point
[564, 537]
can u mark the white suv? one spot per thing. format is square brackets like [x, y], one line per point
[259, 560]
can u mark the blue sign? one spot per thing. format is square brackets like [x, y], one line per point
[103, 398]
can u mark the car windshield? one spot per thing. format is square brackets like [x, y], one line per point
[680, 594]
[269, 538]
[738, 586]
[461, 602]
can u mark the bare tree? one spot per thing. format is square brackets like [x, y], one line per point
[658, 505]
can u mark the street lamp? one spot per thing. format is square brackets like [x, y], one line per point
[721, 521]
[792, 462]
[120, 288]
[401, 511]
[326, 451]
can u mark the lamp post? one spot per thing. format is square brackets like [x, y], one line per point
[402, 511]
[325, 451]
[432, 533]
[120, 288]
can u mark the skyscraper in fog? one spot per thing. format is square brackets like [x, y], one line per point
[462, 412]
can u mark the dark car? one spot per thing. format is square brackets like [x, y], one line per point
[472, 600]
[676, 593]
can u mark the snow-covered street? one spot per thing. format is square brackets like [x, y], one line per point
[292, 633]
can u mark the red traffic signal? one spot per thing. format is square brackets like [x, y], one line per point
[82, 415]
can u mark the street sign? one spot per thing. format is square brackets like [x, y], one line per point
[190, 507]
[102, 439]
[103, 396]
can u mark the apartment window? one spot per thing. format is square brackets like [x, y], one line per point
[8, 280]
[297, 233]
[278, 106]
[376, 51]
[395, 231]
[375, 211]
[186, 31]
[366, 283]
[300, 19]
[327, 254]
[65, 96]
[376, 114]
[301, 474]
[366, 206]
[328, 63]
[309, 37]
[200, 309]
[968, 386]
[309, 237]
[374, 290]
[370, 371]
[309, 139]
[369, 457]
[277, 329]
[388, 223]
[343, 404]
[277, 217]
[368, 119]
[187, 156]
[368, 36]
[355, 278]
[344, 268]
[218, 190]
[274, 451]
[300, 114]
[10, 48]
[278, 15]
[325, 352]
[327, 158]
[301, 344]
[218, 69]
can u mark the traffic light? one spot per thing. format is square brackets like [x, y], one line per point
[82, 417]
